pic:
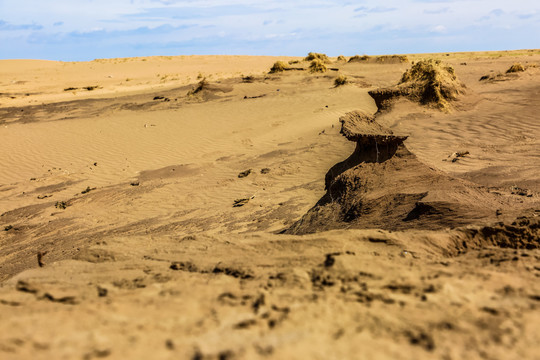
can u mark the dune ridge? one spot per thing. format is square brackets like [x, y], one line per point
[383, 185]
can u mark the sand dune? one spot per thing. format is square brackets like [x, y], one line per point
[119, 237]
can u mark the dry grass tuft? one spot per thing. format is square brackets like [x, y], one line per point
[428, 82]
[203, 84]
[279, 66]
[432, 83]
[517, 67]
[340, 80]
[317, 66]
[316, 56]
[341, 58]
[292, 62]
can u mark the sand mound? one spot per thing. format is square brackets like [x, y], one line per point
[279, 66]
[340, 80]
[202, 91]
[317, 66]
[383, 185]
[517, 67]
[428, 82]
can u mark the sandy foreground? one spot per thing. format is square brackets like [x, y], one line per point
[119, 238]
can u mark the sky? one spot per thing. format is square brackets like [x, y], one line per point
[80, 30]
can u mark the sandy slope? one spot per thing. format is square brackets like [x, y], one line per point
[153, 261]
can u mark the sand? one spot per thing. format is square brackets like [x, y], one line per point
[119, 238]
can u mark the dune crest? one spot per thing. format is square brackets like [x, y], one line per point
[383, 185]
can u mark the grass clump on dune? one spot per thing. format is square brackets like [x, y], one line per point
[279, 66]
[341, 58]
[317, 56]
[340, 80]
[428, 82]
[317, 66]
[431, 82]
[517, 67]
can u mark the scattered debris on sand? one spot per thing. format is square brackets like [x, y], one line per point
[340, 80]
[92, 87]
[61, 205]
[516, 190]
[87, 190]
[457, 155]
[254, 97]
[40, 256]
[203, 84]
[244, 173]
[240, 202]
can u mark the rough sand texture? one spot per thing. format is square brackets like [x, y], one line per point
[119, 239]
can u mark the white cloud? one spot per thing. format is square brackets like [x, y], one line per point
[439, 29]
[324, 25]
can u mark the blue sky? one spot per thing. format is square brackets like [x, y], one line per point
[73, 30]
